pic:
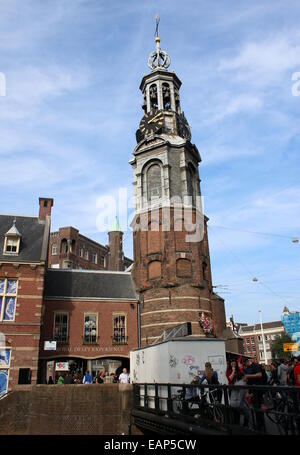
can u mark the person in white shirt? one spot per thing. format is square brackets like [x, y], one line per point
[124, 377]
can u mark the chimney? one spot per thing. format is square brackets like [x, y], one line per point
[45, 207]
[116, 255]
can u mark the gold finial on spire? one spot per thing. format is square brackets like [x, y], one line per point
[158, 58]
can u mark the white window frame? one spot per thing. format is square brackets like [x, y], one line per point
[94, 257]
[12, 239]
[61, 313]
[54, 249]
[6, 294]
[118, 314]
[6, 367]
[97, 331]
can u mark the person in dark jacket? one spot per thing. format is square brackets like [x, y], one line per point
[68, 379]
[253, 375]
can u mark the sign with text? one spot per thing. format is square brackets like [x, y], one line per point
[289, 347]
[50, 346]
[62, 366]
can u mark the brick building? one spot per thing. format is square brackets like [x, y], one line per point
[254, 339]
[23, 262]
[172, 269]
[68, 249]
[92, 315]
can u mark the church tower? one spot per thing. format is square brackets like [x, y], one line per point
[171, 270]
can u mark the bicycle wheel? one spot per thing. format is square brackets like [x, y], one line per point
[218, 414]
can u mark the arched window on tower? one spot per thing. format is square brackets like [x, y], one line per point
[177, 100]
[191, 184]
[166, 96]
[153, 97]
[144, 105]
[153, 179]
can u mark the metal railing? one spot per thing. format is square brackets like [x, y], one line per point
[119, 339]
[267, 409]
[90, 339]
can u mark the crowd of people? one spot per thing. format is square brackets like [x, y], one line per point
[248, 373]
[100, 378]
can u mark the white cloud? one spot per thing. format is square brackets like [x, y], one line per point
[266, 61]
[28, 87]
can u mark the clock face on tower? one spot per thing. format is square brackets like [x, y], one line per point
[152, 122]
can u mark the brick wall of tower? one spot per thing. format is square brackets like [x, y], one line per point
[170, 275]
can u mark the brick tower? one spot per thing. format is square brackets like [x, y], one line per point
[116, 254]
[171, 255]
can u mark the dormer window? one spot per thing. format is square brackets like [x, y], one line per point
[12, 245]
[12, 240]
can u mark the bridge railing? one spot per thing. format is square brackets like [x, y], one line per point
[258, 408]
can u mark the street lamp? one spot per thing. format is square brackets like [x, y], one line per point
[263, 336]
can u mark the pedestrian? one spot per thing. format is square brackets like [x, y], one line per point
[282, 372]
[232, 372]
[108, 379]
[297, 373]
[274, 376]
[50, 380]
[124, 377]
[192, 393]
[268, 373]
[239, 403]
[290, 372]
[100, 377]
[60, 379]
[253, 374]
[211, 377]
[77, 379]
[87, 378]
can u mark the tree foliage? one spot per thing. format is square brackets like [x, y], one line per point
[277, 346]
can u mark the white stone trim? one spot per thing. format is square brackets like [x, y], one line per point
[165, 323]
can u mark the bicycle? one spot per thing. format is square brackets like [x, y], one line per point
[204, 406]
[280, 411]
[183, 405]
[211, 406]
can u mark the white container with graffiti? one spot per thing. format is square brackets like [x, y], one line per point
[177, 361]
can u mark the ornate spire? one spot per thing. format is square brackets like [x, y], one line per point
[13, 230]
[158, 58]
[116, 226]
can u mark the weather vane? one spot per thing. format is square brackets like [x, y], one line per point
[158, 58]
[157, 19]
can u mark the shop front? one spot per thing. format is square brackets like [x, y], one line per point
[77, 366]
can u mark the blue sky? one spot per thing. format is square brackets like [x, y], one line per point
[72, 106]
